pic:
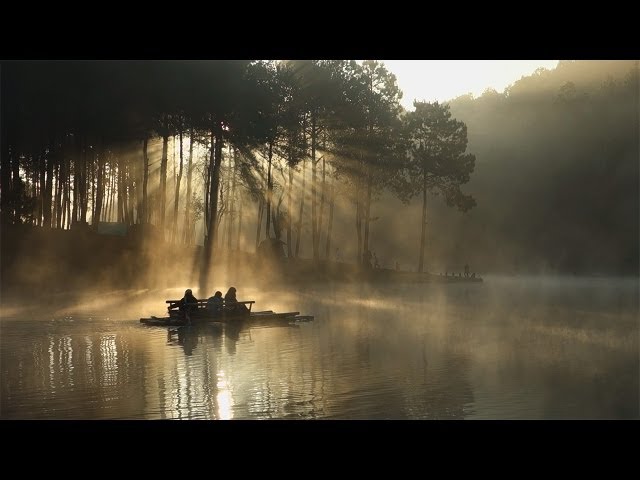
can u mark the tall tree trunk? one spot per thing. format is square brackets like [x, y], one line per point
[63, 190]
[107, 193]
[138, 168]
[239, 224]
[99, 189]
[207, 195]
[314, 213]
[27, 187]
[261, 203]
[322, 201]
[209, 253]
[232, 199]
[66, 194]
[51, 157]
[77, 178]
[94, 173]
[187, 213]
[177, 196]
[163, 179]
[41, 198]
[120, 188]
[215, 192]
[35, 192]
[106, 216]
[289, 210]
[126, 193]
[269, 189]
[332, 194]
[130, 193]
[367, 213]
[79, 172]
[424, 221]
[277, 226]
[58, 195]
[76, 181]
[225, 210]
[261, 208]
[299, 224]
[173, 187]
[123, 209]
[146, 214]
[113, 173]
[84, 200]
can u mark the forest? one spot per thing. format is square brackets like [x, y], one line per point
[320, 158]
[557, 178]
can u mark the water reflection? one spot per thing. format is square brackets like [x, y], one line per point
[506, 349]
[197, 386]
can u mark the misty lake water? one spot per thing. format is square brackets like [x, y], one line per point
[509, 348]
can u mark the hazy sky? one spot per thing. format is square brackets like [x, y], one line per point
[443, 80]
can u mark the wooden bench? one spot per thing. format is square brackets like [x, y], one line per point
[202, 304]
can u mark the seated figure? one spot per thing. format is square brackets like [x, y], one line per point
[231, 303]
[214, 304]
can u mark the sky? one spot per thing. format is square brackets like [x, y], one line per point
[442, 80]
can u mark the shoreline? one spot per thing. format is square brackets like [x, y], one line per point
[35, 261]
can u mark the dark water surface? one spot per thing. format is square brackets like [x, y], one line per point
[511, 348]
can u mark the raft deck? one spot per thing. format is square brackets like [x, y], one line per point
[201, 315]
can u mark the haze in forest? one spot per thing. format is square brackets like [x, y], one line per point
[201, 161]
[443, 80]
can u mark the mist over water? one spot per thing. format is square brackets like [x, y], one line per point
[309, 187]
[509, 348]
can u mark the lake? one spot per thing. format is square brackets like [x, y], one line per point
[508, 348]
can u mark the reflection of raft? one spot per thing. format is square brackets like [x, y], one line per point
[201, 315]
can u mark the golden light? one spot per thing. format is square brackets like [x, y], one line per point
[224, 400]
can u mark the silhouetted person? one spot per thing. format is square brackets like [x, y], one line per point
[375, 261]
[231, 303]
[466, 270]
[215, 303]
[187, 305]
[230, 296]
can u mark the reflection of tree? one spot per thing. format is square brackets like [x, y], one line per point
[363, 342]
[193, 386]
[74, 375]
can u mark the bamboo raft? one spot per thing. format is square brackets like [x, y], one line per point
[229, 313]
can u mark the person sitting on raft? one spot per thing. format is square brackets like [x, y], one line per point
[231, 303]
[214, 304]
[187, 305]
